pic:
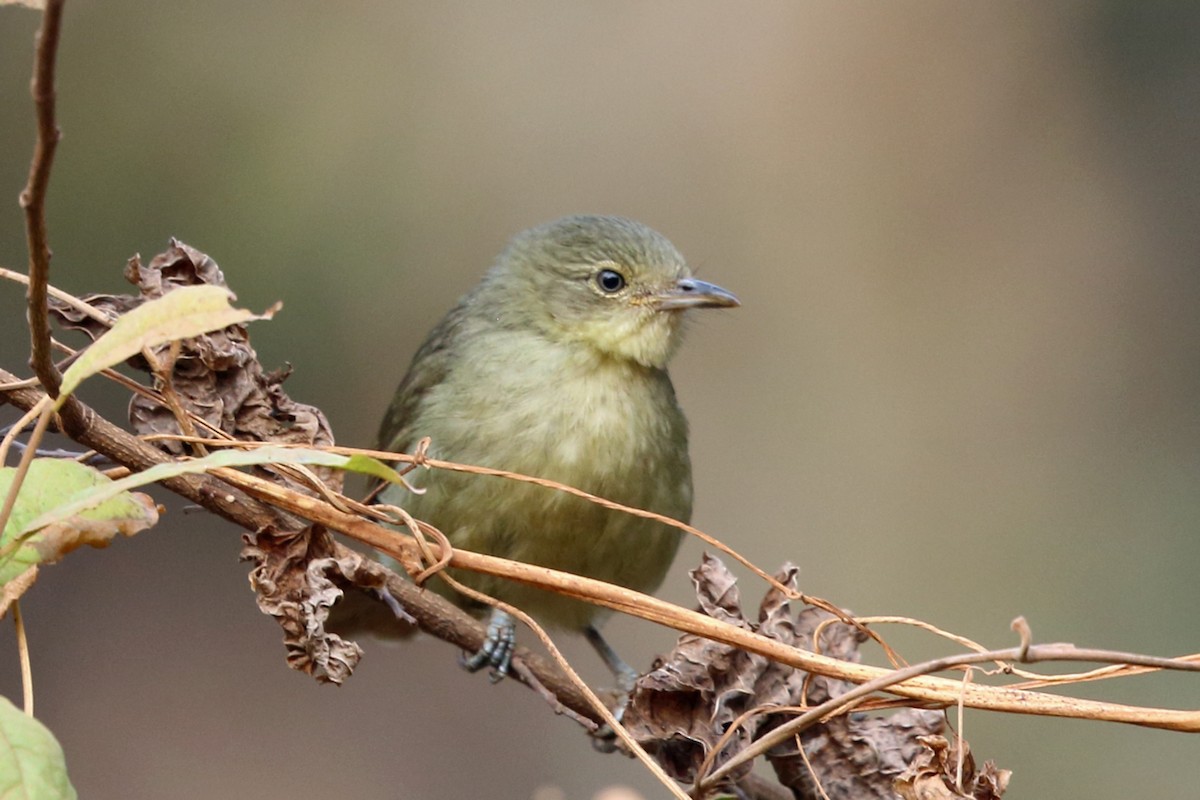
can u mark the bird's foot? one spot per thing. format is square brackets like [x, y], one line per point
[604, 738]
[497, 649]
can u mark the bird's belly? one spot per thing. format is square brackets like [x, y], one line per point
[588, 440]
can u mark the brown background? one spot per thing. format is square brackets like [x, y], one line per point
[963, 386]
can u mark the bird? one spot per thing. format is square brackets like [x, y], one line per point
[555, 365]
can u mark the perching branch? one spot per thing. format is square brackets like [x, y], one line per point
[437, 615]
[446, 621]
[919, 686]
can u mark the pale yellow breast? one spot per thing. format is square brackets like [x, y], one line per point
[608, 427]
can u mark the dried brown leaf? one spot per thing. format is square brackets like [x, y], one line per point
[931, 775]
[217, 376]
[180, 265]
[294, 577]
[855, 756]
[14, 589]
[991, 782]
[680, 709]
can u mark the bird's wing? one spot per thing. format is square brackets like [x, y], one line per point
[429, 367]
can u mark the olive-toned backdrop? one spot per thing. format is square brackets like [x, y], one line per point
[964, 383]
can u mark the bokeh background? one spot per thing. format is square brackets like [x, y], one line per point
[964, 384]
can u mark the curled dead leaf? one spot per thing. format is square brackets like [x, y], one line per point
[932, 774]
[14, 589]
[290, 580]
[298, 581]
[702, 689]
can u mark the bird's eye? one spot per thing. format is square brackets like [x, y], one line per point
[610, 281]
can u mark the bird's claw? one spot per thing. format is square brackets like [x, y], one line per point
[604, 738]
[497, 648]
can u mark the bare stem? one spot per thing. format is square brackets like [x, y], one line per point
[33, 196]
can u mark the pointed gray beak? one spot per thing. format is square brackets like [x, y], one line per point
[692, 293]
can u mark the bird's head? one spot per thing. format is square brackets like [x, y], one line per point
[609, 283]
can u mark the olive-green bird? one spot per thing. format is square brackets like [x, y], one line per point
[554, 365]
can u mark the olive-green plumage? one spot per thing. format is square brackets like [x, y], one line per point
[554, 365]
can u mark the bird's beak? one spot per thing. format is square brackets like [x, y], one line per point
[692, 293]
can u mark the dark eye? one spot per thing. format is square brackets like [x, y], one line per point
[610, 281]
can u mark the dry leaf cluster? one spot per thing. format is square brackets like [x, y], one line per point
[706, 701]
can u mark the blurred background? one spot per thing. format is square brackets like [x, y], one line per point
[964, 383]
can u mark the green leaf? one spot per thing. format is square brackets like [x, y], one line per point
[51, 484]
[181, 314]
[63, 504]
[32, 765]
[222, 458]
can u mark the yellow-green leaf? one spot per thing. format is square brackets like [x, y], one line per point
[221, 458]
[53, 484]
[32, 765]
[183, 313]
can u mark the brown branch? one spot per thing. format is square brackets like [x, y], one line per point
[33, 196]
[104, 437]
[925, 689]
[434, 614]
[449, 623]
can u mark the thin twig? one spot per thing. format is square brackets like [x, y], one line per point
[1036, 680]
[15, 430]
[811, 771]
[10, 499]
[33, 196]
[164, 371]
[960, 726]
[472, 469]
[23, 653]
[25, 384]
[64, 297]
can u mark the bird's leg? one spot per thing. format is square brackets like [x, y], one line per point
[626, 675]
[497, 648]
[605, 739]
